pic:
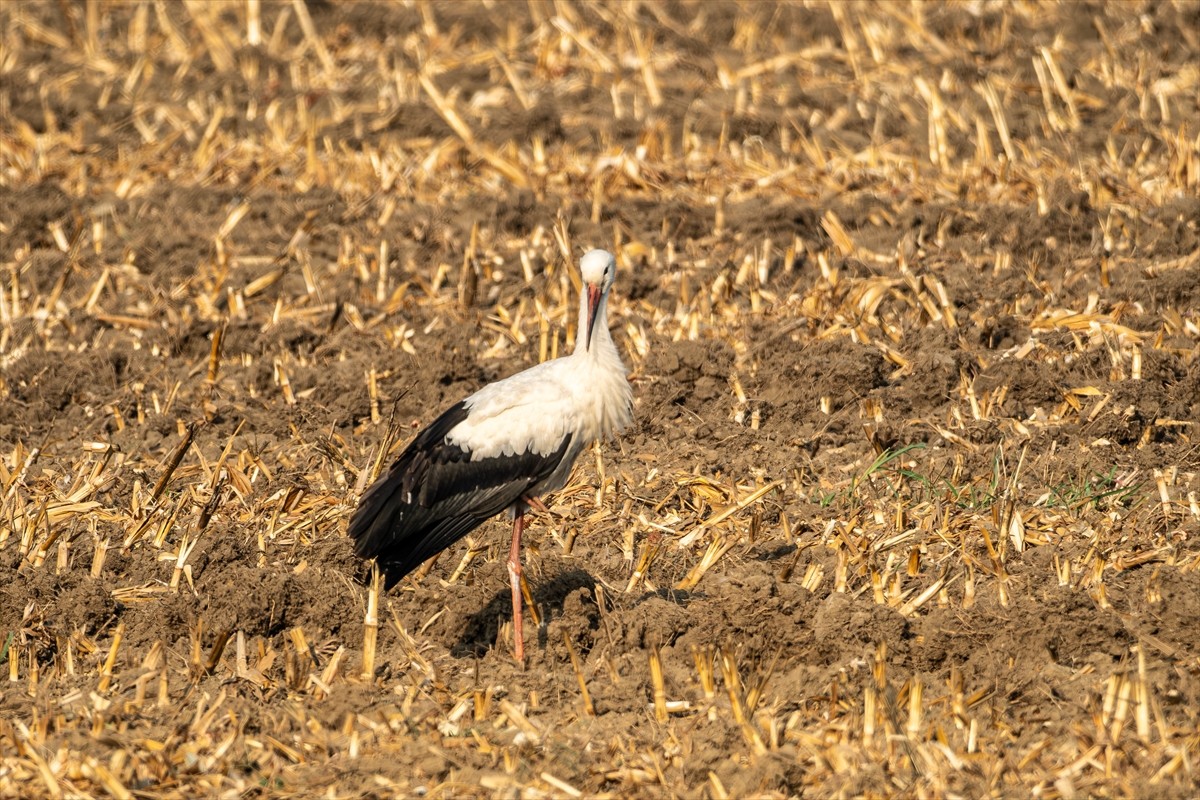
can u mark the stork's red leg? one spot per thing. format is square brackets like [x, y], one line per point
[536, 504]
[514, 574]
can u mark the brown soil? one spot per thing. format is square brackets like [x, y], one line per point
[968, 370]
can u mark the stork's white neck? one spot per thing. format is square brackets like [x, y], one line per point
[602, 343]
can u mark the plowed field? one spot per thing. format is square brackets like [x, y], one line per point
[910, 298]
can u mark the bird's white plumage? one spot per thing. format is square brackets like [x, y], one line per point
[528, 412]
[584, 395]
[500, 448]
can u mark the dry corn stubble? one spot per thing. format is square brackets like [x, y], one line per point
[909, 296]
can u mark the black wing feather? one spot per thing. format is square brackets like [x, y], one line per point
[433, 495]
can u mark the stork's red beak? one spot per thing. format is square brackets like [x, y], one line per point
[593, 300]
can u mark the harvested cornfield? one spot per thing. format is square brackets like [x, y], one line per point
[910, 298]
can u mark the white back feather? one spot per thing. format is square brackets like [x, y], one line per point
[584, 394]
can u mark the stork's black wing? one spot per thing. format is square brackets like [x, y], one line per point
[434, 494]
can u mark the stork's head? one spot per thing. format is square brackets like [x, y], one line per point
[598, 268]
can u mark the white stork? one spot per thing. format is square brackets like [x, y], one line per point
[500, 449]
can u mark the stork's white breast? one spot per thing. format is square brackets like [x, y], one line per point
[535, 409]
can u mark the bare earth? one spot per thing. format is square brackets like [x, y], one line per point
[910, 296]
